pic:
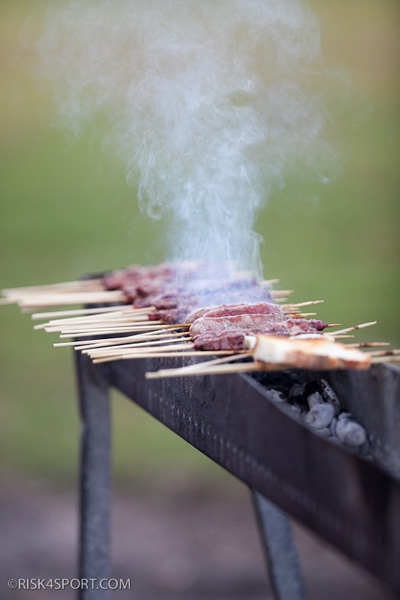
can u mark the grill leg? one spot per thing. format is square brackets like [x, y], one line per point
[276, 534]
[95, 480]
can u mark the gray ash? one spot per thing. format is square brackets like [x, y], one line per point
[317, 406]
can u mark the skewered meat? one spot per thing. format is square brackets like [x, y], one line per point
[179, 296]
[168, 300]
[166, 316]
[267, 318]
[226, 340]
[143, 285]
[234, 310]
[253, 323]
[115, 280]
[118, 279]
[199, 312]
[300, 326]
[266, 307]
[222, 340]
[210, 331]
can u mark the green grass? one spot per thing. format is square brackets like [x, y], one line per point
[66, 211]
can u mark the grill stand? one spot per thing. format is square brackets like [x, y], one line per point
[351, 503]
[95, 478]
[280, 552]
[95, 500]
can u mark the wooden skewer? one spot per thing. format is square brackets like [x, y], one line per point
[168, 355]
[112, 331]
[280, 293]
[268, 282]
[77, 345]
[96, 332]
[298, 315]
[141, 345]
[299, 304]
[159, 349]
[65, 286]
[117, 354]
[35, 300]
[368, 344]
[81, 328]
[114, 325]
[44, 298]
[84, 344]
[107, 327]
[109, 318]
[77, 312]
[5, 301]
[338, 337]
[131, 310]
[133, 339]
[85, 296]
[379, 353]
[218, 361]
[354, 328]
[213, 370]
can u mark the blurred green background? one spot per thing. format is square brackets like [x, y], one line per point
[66, 211]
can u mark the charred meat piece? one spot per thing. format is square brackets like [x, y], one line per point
[199, 312]
[256, 323]
[116, 279]
[119, 279]
[141, 282]
[149, 287]
[166, 316]
[300, 326]
[264, 318]
[232, 310]
[226, 340]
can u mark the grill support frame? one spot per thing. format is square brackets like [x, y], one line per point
[199, 411]
[95, 501]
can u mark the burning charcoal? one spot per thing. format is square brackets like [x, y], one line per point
[320, 415]
[296, 394]
[349, 432]
[330, 396]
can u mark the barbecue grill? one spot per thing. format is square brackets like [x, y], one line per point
[351, 502]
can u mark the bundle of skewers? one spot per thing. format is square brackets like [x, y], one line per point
[167, 310]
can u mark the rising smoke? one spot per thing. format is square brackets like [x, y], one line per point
[208, 102]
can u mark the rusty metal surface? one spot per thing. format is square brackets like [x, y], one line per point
[352, 503]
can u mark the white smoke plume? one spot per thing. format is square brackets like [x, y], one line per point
[208, 102]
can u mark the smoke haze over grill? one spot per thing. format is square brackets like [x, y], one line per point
[208, 102]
